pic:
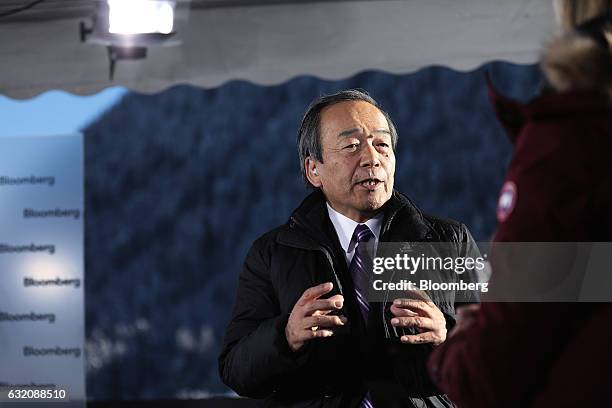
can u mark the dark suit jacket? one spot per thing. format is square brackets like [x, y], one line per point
[256, 360]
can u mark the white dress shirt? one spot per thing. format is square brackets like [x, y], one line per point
[345, 227]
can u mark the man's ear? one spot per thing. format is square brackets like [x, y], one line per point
[312, 174]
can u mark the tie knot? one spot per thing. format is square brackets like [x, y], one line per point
[362, 233]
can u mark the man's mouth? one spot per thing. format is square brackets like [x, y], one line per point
[370, 183]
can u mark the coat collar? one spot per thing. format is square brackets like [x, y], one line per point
[548, 106]
[310, 227]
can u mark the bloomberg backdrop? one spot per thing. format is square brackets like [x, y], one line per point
[42, 323]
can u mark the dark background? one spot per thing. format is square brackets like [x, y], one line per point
[179, 184]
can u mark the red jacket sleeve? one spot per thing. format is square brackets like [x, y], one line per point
[501, 361]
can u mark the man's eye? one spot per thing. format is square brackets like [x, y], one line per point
[352, 146]
[383, 145]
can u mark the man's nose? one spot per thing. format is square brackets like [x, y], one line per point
[370, 156]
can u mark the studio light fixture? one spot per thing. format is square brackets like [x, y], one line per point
[140, 17]
[129, 27]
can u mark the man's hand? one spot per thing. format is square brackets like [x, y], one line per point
[423, 314]
[308, 319]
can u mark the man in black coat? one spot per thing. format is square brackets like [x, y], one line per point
[301, 334]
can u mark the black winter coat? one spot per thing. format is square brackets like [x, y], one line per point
[256, 360]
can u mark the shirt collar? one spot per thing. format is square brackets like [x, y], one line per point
[345, 227]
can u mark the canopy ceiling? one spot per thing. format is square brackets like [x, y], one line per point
[270, 41]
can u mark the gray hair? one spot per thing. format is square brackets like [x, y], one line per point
[309, 134]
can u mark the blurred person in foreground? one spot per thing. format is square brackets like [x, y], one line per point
[558, 188]
[303, 332]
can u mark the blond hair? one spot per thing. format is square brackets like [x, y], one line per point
[572, 13]
[574, 60]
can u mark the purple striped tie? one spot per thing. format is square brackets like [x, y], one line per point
[359, 269]
[361, 279]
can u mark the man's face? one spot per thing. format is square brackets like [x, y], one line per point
[358, 166]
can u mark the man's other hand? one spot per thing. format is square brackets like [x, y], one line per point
[309, 318]
[422, 314]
